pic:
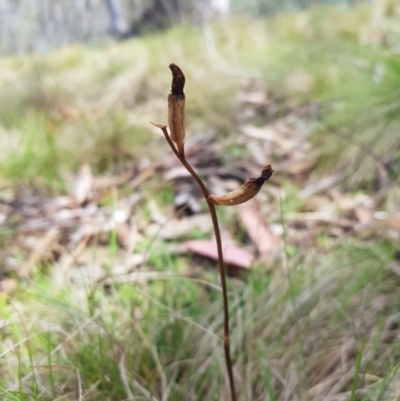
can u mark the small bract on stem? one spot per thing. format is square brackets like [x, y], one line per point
[176, 121]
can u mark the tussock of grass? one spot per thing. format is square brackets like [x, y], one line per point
[331, 323]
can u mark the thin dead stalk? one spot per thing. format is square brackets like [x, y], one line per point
[221, 266]
[176, 141]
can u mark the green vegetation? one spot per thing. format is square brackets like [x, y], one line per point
[103, 98]
[141, 337]
[321, 321]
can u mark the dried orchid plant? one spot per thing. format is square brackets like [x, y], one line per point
[250, 188]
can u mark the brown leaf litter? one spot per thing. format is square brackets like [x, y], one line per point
[59, 229]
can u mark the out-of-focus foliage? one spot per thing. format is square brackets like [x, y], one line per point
[268, 7]
[39, 25]
[117, 300]
[342, 59]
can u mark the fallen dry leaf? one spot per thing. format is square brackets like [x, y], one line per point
[8, 286]
[322, 184]
[176, 172]
[301, 165]
[257, 228]
[83, 184]
[363, 215]
[255, 97]
[351, 201]
[126, 234]
[232, 254]
[394, 221]
[268, 133]
[156, 213]
[42, 249]
[175, 227]
[112, 181]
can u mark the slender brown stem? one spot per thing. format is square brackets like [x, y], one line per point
[221, 266]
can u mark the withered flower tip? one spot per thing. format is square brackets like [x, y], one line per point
[178, 80]
[266, 174]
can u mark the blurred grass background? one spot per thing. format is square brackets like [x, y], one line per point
[291, 324]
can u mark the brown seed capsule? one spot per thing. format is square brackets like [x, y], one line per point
[176, 108]
[248, 190]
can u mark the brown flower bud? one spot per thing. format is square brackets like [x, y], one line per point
[248, 190]
[176, 108]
